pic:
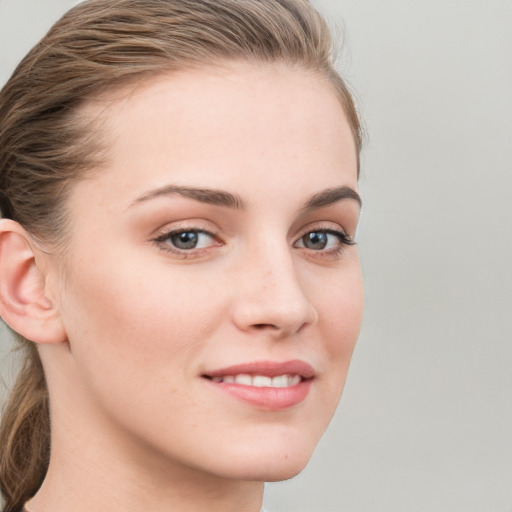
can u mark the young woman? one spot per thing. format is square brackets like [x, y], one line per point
[179, 198]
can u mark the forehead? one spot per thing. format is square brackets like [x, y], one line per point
[258, 122]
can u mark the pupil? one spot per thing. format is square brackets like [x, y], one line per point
[186, 240]
[315, 240]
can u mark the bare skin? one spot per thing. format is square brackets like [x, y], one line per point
[218, 234]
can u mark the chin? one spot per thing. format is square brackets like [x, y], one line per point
[278, 474]
[271, 471]
[268, 451]
[271, 463]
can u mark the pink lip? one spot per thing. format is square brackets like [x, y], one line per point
[267, 368]
[266, 398]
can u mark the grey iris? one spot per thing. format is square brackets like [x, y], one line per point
[185, 240]
[315, 240]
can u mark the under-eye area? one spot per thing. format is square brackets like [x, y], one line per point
[325, 240]
[192, 242]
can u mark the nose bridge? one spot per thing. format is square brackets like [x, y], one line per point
[272, 296]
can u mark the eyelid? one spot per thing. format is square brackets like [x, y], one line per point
[163, 234]
[161, 239]
[330, 254]
[325, 226]
[343, 237]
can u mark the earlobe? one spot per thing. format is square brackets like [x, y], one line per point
[24, 302]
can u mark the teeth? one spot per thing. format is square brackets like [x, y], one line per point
[293, 380]
[260, 381]
[280, 382]
[246, 380]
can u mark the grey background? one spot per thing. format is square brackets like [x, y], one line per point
[425, 423]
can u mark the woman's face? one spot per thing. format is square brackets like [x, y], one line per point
[211, 297]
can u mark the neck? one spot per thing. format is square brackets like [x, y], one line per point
[98, 469]
[97, 464]
[83, 484]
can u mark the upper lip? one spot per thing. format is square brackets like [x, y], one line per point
[266, 368]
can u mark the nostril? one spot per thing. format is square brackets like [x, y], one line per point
[265, 326]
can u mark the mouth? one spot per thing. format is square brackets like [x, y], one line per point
[265, 385]
[259, 381]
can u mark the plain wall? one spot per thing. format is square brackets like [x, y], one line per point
[425, 423]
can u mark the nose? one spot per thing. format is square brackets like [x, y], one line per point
[271, 297]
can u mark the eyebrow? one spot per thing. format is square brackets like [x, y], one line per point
[227, 199]
[331, 196]
[203, 195]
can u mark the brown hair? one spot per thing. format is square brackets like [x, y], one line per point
[46, 143]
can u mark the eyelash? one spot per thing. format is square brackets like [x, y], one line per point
[162, 241]
[343, 241]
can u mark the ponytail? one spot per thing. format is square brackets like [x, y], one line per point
[24, 433]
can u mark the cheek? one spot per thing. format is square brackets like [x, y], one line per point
[340, 309]
[125, 321]
[135, 338]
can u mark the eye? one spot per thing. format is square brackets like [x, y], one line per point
[324, 240]
[318, 240]
[186, 240]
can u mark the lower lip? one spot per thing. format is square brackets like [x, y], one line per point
[266, 398]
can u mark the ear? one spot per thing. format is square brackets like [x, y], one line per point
[24, 302]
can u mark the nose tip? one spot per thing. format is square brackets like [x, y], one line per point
[275, 303]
